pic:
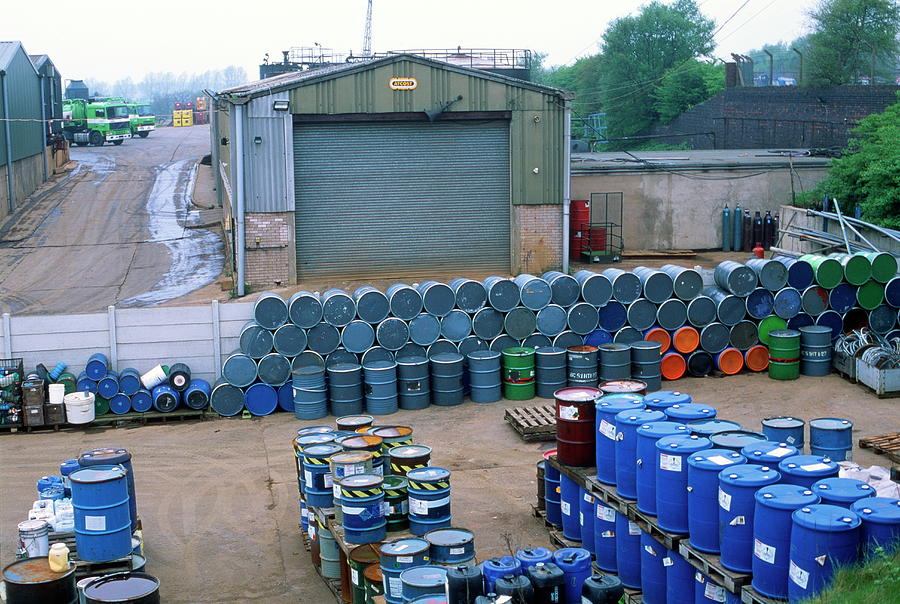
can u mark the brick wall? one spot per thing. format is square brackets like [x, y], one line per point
[273, 257]
[785, 116]
[536, 238]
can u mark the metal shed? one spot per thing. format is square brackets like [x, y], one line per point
[395, 166]
[51, 86]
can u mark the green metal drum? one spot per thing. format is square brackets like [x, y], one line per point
[870, 295]
[397, 502]
[884, 266]
[784, 354]
[360, 558]
[857, 267]
[769, 324]
[68, 380]
[518, 373]
[101, 405]
[374, 583]
[828, 271]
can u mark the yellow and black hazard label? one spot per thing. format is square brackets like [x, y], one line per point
[317, 461]
[399, 469]
[429, 486]
[360, 493]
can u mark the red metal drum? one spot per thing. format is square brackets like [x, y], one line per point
[575, 414]
[579, 218]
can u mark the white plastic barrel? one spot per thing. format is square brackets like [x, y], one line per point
[34, 537]
[57, 393]
[79, 407]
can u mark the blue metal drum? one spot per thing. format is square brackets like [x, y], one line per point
[784, 428]
[225, 399]
[550, 370]
[455, 326]
[308, 358]
[392, 333]
[534, 292]
[317, 481]
[628, 551]
[429, 499]
[805, 470]
[447, 379]
[552, 493]
[564, 289]
[537, 340]
[647, 435]
[823, 539]
[255, 340]
[502, 342]
[613, 316]
[405, 301]
[598, 337]
[768, 452]
[607, 411]
[689, 412]
[833, 321]
[362, 499]
[570, 494]
[831, 437]
[413, 383]
[657, 285]
[323, 338]
[771, 274]
[641, 314]
[653, 571]
[372, 306]
[381, 387]
[586, 516]
[551, 320]
[502, 293]
[596, 289]
[129, 381]
[575, 563]
[270, 311]
[672, 479]
[310, 394]
[772, 535]
[120, 403]
[358, 336]
[787, 303]
[338, 308]
[802, 320]
[345, 389]
[437, 298]
[892, 292]
[686, 282]
[495, 568]
[627, 423]
[737, 491]
[701, 311]
[165, 398]
[102, 520]
[97, 366]
[814, 300]
[615, 361]
[671, 314]
[397, 556]
[260, 399]
[880, 524]
[882, 319]
[679, 578]
[484, 376]
[305, 309]
[738, 279]
[289, 340]
[377, 353]
[108, 385]
[423, 581]
[411, 350]
[605, 537]
[626, 286]
[274, 369]
[714, 338]
[842, 492]
[842, 298]
[520, 323]
[627, 335]
[703, 494]
[487, 323]
[425, 329]
[470, 295]
[86, 384]
[799, 272]
[760, 303]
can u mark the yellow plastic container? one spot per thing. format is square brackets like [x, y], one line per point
[59, 557]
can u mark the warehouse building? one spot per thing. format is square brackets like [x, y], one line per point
[24, 87]
[399, 166]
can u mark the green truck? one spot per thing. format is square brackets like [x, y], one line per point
[96, 121]
[143, 122]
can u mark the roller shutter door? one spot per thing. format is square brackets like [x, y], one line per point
[392, 199]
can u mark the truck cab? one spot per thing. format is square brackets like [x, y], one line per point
[95, 122]
[143, 122]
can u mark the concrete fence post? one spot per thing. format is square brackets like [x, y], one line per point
[7, 335]
[113, 339]
[216, 336]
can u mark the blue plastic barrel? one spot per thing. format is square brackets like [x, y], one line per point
[570, 494]
[97, 366]
[653, 570]
[317, 474]
[429, 499]
[647, 435]
[842, 492]
[662, 399]
[707, 591]
[552, 493]
[260, 399]
[102, 521]
[805, 470]
[708, 427]
[494, 568]
[197, 394]
[605, 537]
[607, 409]
[672, 479]
[831, 437]
[575, 562]
[772, 535]
[627, 423]
[530, 556]
[129, 381]
[381, 387]
[108, 385]
[286, 398]
[689, 412]
[397, 556]
[362, 499]
[165, 398]
[120, 403]
[142, 401]
[784, 429]
[628, 551]
[613, 316]
[679, 578]
[880, 524]
[586, 517]
[737, 491]
[703, 494]
[768, 453]
[736, 440]
[823, 539]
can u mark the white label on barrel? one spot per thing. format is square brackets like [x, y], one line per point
[764, 552]
[798, 575]
[329, 480]
[312, 531]
[336, 490]
[308, 476]
[404, 559]
[588, 498]
[724, 500]
[418, 506]
[814, 467]
[396, 587]
[606, 514]
[607, 429]
[649, 549]
[401, 547]
[608, 534]
[385, 509]
[719, 460]
[633, 529]
[667, 561]
[790, 439]
[738, 521]
[820, 560]
[354, 575]
[564, 506]
[780, 452]
[848, 456]
[671, 463]
[568, 412]
[304, 513]
[715, 593]
[580, 518]
[456, 551]
[95, 523]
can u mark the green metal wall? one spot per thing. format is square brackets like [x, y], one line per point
[24, 93]
[536, 129]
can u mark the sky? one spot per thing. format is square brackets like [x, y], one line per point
[196, 36]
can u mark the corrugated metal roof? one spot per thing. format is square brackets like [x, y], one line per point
[295, 79]
[7, 52]
[38, 60]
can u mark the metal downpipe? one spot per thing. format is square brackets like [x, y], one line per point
[10, 189]
[239, 244]
[44, 127]
[567, 183]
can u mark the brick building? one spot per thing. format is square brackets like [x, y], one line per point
[397, 166]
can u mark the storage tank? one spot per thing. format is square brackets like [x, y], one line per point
[77, 89]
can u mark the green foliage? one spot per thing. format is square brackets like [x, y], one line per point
[868, 174]
[687, 85]
[784, 59]
[638, 50]
[875, 580]
[651, 146]
[845, 34]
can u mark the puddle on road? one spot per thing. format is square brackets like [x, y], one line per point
[97, 163]
[196, 255]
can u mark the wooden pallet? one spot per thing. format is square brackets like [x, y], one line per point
[711, 566]
[111, 420]
[333, 585]
[533, 423]
[635, 254]
[559, 540]
[751, 596]
[648, 525]
[886, 444]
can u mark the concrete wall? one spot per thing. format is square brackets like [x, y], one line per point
[28, 175]
[536, 238]
[663, 210]
[271, 250]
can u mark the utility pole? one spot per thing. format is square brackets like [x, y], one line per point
[771, 67]
[800, 76]
[367, 36]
